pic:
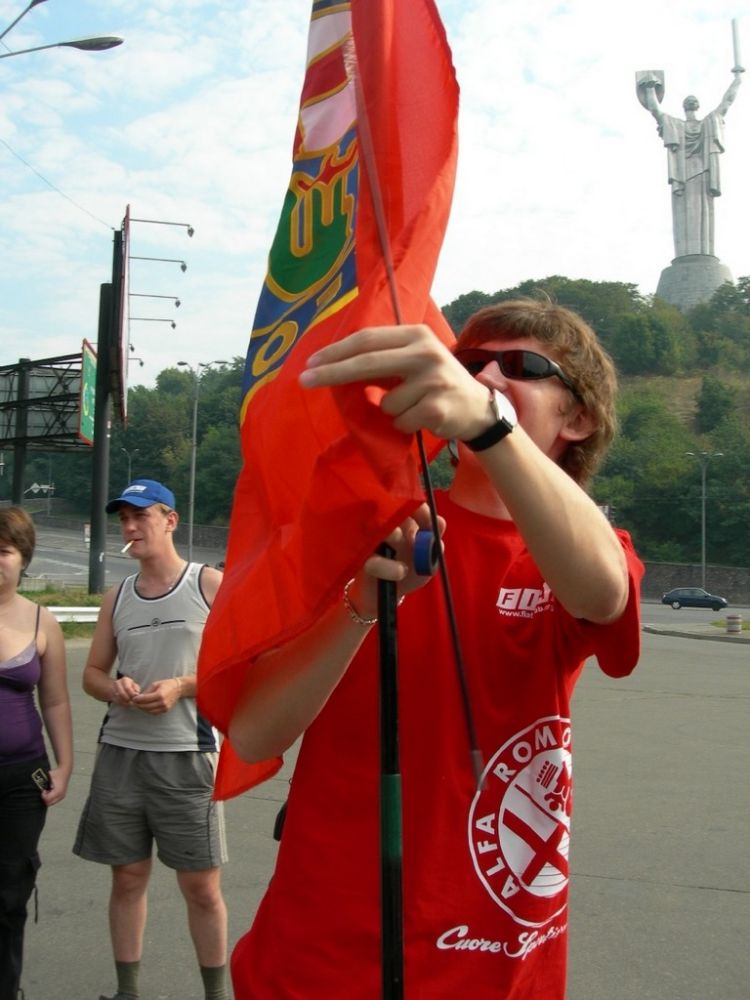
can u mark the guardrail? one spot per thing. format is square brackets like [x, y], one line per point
[90, 614]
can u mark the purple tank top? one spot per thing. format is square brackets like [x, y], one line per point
[20, 723]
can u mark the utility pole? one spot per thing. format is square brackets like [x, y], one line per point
[703, 457]
[100, 455]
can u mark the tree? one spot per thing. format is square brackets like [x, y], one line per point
[600, 303]
[441, 470]
[459, 310]
[217, 466]
[644, 344]
[159, 428]
[715, 402]
[643, 476]
[722, 327]
[630, 345]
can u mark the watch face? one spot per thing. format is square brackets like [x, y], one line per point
[504, 409]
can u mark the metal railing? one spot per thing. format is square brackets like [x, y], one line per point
[62, 614]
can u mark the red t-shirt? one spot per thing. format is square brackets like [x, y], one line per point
[485, 874]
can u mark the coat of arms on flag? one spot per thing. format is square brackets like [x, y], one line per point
[325, 476]
[311, 266]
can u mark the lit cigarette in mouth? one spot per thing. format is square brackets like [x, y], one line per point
[125, 548]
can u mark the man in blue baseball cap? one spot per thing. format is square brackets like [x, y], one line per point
[153, 741]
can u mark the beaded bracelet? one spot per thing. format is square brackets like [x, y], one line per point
[354, 614]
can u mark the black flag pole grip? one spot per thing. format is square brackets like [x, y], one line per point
[391, 843]
[425, 555]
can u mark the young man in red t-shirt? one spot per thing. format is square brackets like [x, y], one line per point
[540, 582]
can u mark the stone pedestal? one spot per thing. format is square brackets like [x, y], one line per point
[688, 281]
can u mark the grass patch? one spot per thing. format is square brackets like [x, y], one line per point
[67, 597]
[78, 630]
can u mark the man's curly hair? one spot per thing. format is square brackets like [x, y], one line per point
[574, 345]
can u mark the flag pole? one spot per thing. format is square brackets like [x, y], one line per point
[391, 840]
[391, 833]
[391, 827]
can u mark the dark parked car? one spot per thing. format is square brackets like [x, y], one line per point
[693, 597]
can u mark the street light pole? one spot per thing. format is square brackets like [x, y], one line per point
[34, 3]
[703, 457]
[193, 454]
[84, 44]
[130, 455]
[195, 372]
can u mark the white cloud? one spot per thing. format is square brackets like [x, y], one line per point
[191, 120]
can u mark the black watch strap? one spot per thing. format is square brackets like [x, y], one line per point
[491, 436]
[503, 410]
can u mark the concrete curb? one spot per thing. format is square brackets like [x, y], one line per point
[681, 634]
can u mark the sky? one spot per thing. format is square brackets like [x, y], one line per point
[191, 120]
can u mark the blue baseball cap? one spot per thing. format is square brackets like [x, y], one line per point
[142, 493]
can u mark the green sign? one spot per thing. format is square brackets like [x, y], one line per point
[88, 393]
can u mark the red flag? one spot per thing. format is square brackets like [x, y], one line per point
[325, 477]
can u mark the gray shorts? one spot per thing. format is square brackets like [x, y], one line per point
[138, 796]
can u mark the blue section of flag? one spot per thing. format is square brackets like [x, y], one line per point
[310, 274]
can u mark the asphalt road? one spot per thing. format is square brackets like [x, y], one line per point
[660, 885]
[62, 556]
[661, 614]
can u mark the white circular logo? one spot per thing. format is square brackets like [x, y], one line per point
[519, 822]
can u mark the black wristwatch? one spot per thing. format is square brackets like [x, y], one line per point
[505, 421]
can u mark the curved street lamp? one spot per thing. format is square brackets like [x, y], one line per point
[94, 44]
[166, 260]
[163, 222]
[145, 295]
[153, 319]
[84, 44]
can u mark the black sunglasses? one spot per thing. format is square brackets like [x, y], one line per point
[515, 364]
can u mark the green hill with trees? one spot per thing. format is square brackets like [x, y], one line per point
[685, 387]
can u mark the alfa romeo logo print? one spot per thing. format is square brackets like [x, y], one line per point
[519, 823]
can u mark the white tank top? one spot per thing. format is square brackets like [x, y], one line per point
[157, 638]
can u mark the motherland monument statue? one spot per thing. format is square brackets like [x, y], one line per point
[694, 146]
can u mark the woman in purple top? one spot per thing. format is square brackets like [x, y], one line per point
[32, 657]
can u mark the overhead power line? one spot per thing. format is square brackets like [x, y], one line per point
[56, 189]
